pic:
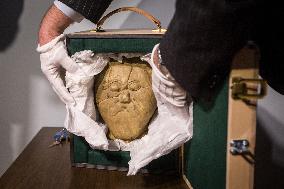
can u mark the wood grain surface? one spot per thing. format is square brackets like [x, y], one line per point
[41, 167]
[241, 123]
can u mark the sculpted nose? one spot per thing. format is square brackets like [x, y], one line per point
[124, 97]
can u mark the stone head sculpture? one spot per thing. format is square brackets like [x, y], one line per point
[125, 99]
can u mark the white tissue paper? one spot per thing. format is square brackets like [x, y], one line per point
[80, 118]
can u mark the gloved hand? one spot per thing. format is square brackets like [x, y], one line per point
[53, 56]
[172, 126]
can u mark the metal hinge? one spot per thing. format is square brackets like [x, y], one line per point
[248, 90]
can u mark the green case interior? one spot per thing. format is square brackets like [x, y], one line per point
[204, 155]
[81, 153]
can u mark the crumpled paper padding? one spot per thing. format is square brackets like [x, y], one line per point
[80, 118]
[80, 124]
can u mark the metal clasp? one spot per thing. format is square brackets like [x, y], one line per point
[248, 89]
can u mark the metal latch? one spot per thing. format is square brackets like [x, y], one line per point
[241, 147]
[248, 90]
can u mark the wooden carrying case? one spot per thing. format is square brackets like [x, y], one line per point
[220, 155]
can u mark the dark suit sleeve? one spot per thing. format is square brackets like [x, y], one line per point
[90, 9]
[201, 41]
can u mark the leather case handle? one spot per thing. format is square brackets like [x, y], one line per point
[133, 9]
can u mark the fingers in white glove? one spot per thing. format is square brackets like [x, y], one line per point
[61, 57]
[164, 84]
[53, 55]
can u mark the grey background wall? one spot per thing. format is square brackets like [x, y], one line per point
[24, 94]
[269, 170]
[28, 103]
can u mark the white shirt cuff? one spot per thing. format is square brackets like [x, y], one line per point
[77, 17]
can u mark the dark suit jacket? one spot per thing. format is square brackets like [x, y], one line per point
[204, 35]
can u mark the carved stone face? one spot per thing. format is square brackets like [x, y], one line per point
[125, 99]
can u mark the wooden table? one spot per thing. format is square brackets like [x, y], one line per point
[41, 167]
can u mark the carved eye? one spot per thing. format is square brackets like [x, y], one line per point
[115, 86]
[134, 85]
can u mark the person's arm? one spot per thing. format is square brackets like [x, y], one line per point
[56, 20]
[201, 41]
[65, 12]
[90, 9]
[53, 53]
[51, 40]
[53, 24]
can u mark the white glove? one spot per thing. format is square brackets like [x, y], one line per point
[81, 118]
[53, 55]
[173, 125]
